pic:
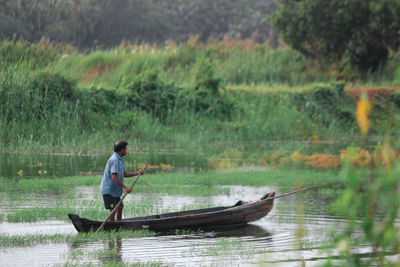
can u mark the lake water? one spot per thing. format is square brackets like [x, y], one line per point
[166, 159]
[271, 241]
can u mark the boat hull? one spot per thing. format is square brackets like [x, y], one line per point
[241, 213]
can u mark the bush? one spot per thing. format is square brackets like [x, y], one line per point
[327, 105]
[50, 90]
[207, 97]
[148, 92]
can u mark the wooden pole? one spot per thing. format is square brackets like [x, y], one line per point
[296, 191]
[119, 203]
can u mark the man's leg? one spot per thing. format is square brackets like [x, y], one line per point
[112, 217]
[119, 212]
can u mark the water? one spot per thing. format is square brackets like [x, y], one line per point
[60, 165]
[271, 241]
[13, 164]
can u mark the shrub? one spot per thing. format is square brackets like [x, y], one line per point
[151, 94]
[49, 91]
[327, 105]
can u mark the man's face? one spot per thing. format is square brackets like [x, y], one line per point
[124, 151]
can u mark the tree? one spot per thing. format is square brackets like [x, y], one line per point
[328, 31]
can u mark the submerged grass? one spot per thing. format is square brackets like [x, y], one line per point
[197, 184]
[31, 200]
[7, 241]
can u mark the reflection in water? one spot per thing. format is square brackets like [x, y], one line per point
[249, 230]
[115, 247]
[37, 165]
[59, 164]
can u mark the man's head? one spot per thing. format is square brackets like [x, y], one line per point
[120, 147]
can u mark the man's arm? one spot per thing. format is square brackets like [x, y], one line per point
[114, 177]
[130, 174]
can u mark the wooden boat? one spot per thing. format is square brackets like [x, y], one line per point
[240, 213]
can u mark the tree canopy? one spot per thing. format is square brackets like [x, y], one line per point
[362, 31]
[105, 23]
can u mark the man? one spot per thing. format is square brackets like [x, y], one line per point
[113, 179]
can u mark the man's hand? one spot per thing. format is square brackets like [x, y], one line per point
[130, 174]
[127, 189]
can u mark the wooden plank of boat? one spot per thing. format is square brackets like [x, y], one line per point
[240, 213]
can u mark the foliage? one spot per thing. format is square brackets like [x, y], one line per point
[362, 31]
[7, 241]
[370, 202]
[20, 54]
[331, 106]
[185, 95]
[151, 94]
[91, 23]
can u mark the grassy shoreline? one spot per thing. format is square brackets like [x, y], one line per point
[184, 95]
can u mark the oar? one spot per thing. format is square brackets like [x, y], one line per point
[119, 203]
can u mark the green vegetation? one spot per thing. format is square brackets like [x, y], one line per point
[156, 183]
[370, 202]
[341, 32]
[225, 246]
[73, 239]
[342, 70]
[186, 95]
[54, 198]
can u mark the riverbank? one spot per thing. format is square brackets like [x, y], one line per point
[54, 99]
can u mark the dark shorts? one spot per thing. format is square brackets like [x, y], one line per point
[110, 202]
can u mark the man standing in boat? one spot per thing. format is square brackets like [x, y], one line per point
[113, 179]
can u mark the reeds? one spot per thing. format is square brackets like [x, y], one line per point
[55, 99]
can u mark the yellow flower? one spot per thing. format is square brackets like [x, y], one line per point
[363, 109]
[20, 172]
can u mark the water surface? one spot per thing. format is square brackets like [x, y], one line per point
[271, 241]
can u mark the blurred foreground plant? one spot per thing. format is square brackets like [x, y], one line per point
[371, 203]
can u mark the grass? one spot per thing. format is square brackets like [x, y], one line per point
[31, 200]
[181, 95]
[7, 241]
[224, 246]
[227, 250]
[199, 184]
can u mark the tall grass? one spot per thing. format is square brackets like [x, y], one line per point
[53, 98]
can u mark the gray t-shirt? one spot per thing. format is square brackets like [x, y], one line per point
[115, 164]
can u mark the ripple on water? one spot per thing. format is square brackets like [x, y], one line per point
[269, 241]
[42, 227]
[39, 255]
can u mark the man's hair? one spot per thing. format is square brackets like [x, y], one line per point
[119, 145]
